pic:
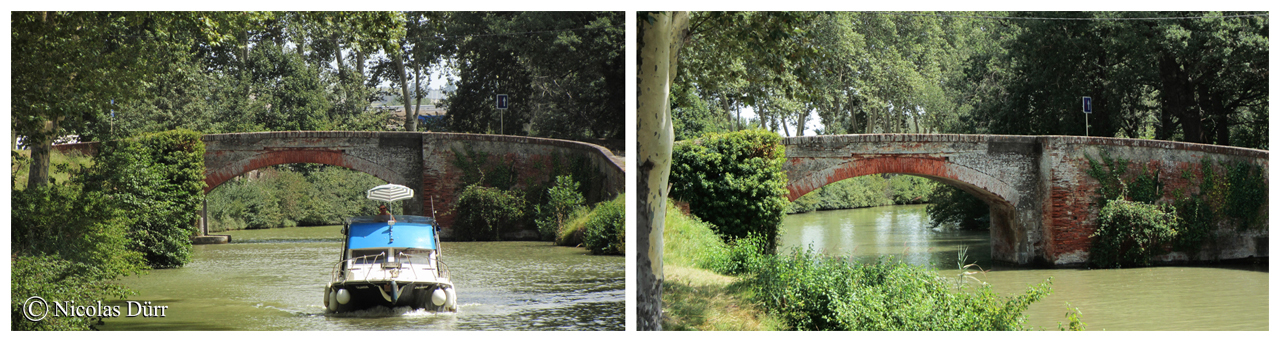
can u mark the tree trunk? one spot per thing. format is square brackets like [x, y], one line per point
[659, 48]
[360, 62]
[342, 75]
[417, 94]
[1174, 101]
[41, 145]
[410, 124]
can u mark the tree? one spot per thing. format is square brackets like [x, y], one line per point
[562, 72]
[70, 67]
[661, 36]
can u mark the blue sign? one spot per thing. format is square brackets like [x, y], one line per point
[1088, 105]
[502, 101]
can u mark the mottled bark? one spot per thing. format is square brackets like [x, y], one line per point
[410, 122]
[659, 47]
[41, 145]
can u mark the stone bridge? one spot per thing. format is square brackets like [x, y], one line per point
[1040, 197]
[423, 161]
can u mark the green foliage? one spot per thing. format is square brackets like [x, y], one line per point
[691, 117]
[857, 192]
[571, 233]
[484, 212]
[957, 208]
[479, 168]
[1129, 233]
[735, 180]
[811, 292]
[865, 191]
[1238, 194]
[1108, 173]
[689, 241]
[1198, 224]
[68, 245]
[606, 230]
[62, 166]
[282, 197]
[1247, 194]
[564, 81]
[1073, 317]
[563, 200]
[158, 179]
[741, 256]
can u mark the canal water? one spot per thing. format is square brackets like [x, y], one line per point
[273, 279]
[1153, 298]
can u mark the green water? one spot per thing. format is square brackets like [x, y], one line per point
[273, 280]
[1153, 298]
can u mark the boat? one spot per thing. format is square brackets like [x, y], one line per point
[390, 261]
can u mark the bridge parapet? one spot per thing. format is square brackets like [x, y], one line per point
[421, 160]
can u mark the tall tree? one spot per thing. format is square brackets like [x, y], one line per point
[69, 68]
[661, 36]
[562, 71]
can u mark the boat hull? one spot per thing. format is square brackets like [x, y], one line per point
[366, 295]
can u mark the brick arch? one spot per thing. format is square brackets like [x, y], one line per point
[985, 186]
[216, 177]
[1001, 197]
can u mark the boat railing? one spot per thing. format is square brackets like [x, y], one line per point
[337, 273]
[442, 270]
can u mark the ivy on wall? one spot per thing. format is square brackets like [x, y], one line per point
[1134, 223]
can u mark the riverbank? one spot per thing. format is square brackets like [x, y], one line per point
[697, 299]
[1221, 297]
[808, 290]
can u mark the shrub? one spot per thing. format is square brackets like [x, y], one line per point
[68, 245]
[734, 181]
[605, 231]
[562, 200]
[741, 256]
[159, 180]
[482, 212]
[1129, 233]
[812, 292]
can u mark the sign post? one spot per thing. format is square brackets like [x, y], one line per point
[1088, 108]
[502, 106]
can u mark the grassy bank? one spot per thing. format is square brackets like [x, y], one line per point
[61, 166]
[695, 298]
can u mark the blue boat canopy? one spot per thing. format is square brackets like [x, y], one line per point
[407, 234]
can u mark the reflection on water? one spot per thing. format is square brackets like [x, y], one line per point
[1152, 298]
[902, 232]
[274, 279]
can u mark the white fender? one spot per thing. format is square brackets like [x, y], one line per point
[438, 297]
[330, 300]
[452, 299]
[343, 296]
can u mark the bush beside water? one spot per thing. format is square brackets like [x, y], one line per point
[808, 291]
[129, 210]
[606, 230]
